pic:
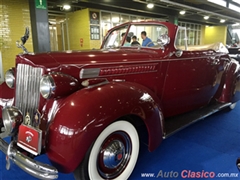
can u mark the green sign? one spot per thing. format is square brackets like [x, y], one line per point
[41, 4]
[176, 21]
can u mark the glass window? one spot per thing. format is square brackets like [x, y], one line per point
[181, 39]
[193, 32]
[141, 19]
[115, 18]
[149, 19]
[133, 18]
[124, 18]
[106, 17]
[105, 27]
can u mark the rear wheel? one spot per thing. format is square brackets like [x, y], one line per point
[113, 155]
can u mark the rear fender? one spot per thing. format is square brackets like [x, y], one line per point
[229, 89]
[86, 113]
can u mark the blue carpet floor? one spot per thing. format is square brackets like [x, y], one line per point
[211, 145]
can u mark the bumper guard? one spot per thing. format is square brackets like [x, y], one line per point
[27, 164]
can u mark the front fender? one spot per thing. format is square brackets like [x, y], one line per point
[229, 89]
[86, 113]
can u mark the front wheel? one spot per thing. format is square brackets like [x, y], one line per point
[232, 106]
[113, 155]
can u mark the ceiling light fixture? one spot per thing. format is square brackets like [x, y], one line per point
[66, 7]
[175, 3]
[206, 17]
[236, 24]
[234, 7]
[182, 12]
[150, 5]
[222, 21]
[236, 1]
[219, 2]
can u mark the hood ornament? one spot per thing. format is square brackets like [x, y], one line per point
[24, 39]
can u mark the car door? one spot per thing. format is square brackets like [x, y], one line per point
[191, 81]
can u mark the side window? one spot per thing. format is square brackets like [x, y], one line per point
[181, 38]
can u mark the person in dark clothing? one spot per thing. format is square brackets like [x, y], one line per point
[134, 41]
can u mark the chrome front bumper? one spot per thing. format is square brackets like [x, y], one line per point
[32, 167]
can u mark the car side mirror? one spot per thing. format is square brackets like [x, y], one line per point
[163, 40]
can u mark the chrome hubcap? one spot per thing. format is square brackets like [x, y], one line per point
[114, 155]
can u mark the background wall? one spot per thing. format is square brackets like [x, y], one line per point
[79, 28]
[202, 39]
[215, 34]
[14, 17]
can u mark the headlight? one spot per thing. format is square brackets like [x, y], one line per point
[12, 118]
[10, 78]
[57, 85]
[47, 86]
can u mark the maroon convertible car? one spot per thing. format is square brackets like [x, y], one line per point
[83, 109]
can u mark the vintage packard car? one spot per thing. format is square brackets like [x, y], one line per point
[85, 109]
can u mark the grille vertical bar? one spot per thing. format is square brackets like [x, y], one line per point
[27, 88]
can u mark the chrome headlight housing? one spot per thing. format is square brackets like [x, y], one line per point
[47, 86]
[10, 78]
[12, 118]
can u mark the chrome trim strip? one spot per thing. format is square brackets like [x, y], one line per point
[29, 165]
[89, 73]
[99, 84]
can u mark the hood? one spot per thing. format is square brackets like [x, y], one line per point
[41, 59]
[90, 57]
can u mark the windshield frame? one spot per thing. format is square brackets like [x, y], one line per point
[122, 26]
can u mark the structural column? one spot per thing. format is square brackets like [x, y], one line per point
[40, 25]
[173, 19]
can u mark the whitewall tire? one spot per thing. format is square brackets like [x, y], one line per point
[113, 155]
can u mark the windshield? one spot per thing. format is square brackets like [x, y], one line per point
[138, 35]
[115, 38]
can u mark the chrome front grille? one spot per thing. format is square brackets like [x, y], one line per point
[27, 88]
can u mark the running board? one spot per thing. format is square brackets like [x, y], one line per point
[177, 123]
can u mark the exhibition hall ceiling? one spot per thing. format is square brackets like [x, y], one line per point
[201, 11]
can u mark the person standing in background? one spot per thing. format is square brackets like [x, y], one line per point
[127, 42]
[134, 41]
[147, 42]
